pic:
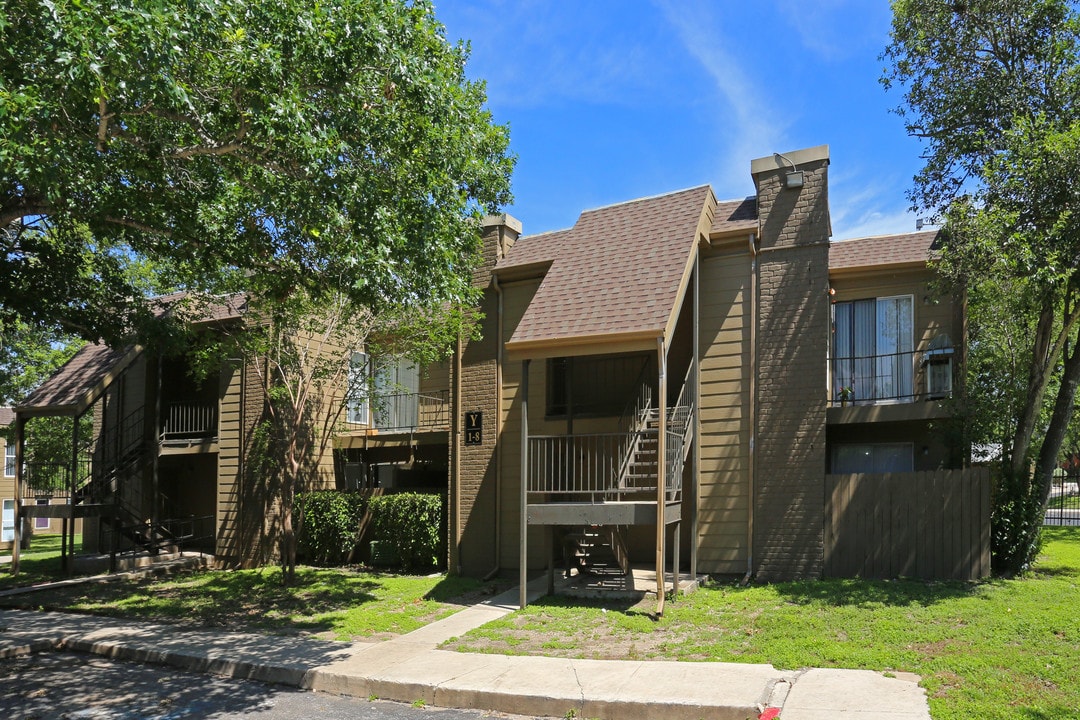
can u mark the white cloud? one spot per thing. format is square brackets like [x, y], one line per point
[835, 29]
[534, 53]
[864, 203]
[743, 123]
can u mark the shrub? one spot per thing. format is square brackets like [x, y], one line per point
[329, 525]
[409, 522]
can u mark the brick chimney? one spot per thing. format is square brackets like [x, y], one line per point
[792, 354]
[498, 234]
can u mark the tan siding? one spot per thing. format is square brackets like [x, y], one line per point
[516, 298]
[436, 377]
[933, 314]
[725, 427]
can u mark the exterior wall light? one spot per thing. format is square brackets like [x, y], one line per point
[794, 179]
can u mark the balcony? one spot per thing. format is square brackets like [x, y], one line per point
[187, 423]
[407, 412]
[891, 386]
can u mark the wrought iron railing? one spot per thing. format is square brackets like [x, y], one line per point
[407, 411]
[184, 421]
[46, 480]
[891, 377]
[1063, 507]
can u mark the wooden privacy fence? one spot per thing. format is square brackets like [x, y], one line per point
[928, 525]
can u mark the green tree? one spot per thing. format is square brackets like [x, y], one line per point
[992, 89]
[274, 147]
[303, 350]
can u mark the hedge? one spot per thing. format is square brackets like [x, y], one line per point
[329, 526]
[411, 523]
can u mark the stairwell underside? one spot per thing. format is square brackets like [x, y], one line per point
[68, 511]
[625, 512]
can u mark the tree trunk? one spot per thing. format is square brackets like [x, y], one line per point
[1038, 376]
[288, 533]
[1059, 425]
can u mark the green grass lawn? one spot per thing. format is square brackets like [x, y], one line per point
[40, 563]
[1071, 500]
[994, 649]
[327, 603]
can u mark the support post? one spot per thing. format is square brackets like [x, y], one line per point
[20, 479]
[695, 455]
[523, 565]
[675, 542]
[661, 473]
[67, 532]
[550, 538]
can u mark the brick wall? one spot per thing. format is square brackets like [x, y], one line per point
[792, 342]
[472, 541]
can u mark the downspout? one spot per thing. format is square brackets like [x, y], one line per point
[661, 475]
[696, 457]
[754, 272]
[241, 457]
[498, 426]
[158, 427]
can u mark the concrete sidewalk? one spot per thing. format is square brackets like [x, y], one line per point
[410, 668]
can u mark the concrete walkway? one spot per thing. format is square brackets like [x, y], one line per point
[410, 668]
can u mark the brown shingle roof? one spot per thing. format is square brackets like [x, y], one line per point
[736, 215]
[224, 308]
[76, 383]
[70, 388]
[904, 249]
[7, 416]
[617, 271]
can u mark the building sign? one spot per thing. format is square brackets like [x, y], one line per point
[474, 428]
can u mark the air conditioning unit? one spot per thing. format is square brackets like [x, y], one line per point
[937, 361]
[388, 476]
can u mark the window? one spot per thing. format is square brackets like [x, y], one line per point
[7, 527]
[41, 523]
[873, 458]
[9, 461]
[593, 385]
[357, 410]
[873, 349]
[397, 388]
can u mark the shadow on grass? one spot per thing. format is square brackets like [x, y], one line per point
[241, 599]
[624, 605]
[38, 564]
[459, 590]
[893, 593]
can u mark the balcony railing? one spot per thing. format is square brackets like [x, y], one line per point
[412, 411]
[46, 480]
[891, 377]
[593, 467]
[184, 421]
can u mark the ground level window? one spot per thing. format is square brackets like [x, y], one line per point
[873, 458]
[7, 528]
[41, 523]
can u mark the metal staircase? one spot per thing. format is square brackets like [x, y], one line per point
[600, 549]
[106, 487]
[595, 550]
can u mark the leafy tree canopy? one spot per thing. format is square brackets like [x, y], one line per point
[268, 146]
[992, 87]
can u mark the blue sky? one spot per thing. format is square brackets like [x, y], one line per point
[611, 101]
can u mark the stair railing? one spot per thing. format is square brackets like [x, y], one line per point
[633, 422]
[681, 433]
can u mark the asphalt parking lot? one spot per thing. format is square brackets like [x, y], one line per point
[76, 686]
